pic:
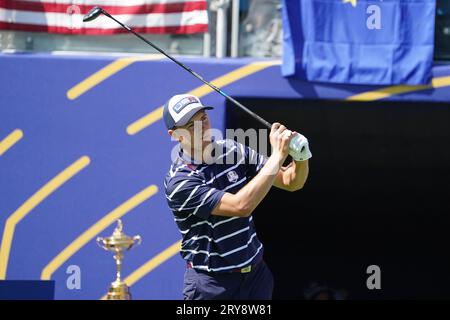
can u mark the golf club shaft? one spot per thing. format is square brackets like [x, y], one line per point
[218, 90]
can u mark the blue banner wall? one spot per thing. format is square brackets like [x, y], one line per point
[61, 121]
[359, 41]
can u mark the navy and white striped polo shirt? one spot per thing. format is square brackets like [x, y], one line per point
[214, 243]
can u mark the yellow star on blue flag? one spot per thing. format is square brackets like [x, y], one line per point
[353, 2]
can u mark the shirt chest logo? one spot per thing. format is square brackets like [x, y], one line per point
[232, 176]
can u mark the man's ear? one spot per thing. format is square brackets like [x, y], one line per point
[175, 135]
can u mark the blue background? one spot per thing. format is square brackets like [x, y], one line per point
[58, 131]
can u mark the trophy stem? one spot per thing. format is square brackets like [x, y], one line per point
[118, 257]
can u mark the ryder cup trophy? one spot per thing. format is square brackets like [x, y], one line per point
[118, 243]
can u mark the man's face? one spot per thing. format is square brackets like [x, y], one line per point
[196, 133]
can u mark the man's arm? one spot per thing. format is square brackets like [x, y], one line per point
[242, 203]
[247, 199]
[293, 176]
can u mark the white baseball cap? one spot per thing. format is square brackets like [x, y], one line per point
[180, 109]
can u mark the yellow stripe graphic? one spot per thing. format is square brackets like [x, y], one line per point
[353, 2]
[30, 204]
[95, 229]
[395, 90]
[152, 264]
[201, 91]
[105, 73]
[10, 140]
[441, 82]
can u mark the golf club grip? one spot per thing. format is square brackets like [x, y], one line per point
[218, 90]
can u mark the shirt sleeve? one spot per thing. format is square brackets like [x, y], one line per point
[188, 195]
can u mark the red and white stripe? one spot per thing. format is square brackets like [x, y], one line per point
[66, 16]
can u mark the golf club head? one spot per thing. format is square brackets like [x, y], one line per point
[93, 14]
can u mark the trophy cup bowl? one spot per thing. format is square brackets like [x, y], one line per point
[118, 243]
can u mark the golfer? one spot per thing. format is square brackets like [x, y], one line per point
[212, 202]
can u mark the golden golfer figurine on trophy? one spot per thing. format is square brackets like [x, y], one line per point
[118, 243]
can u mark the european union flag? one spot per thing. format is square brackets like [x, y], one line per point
[381, 42]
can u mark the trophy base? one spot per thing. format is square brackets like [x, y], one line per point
[118, 291]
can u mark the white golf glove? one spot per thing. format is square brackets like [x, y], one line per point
[299, 148]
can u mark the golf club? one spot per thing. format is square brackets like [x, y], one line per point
[97, 11]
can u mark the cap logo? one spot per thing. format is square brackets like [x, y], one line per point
[183, 103]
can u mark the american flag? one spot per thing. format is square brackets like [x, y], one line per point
[65, 16]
